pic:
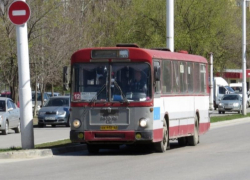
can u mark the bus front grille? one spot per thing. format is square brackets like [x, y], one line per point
[107, 135]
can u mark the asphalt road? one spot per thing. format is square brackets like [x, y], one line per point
[41, 135]
[223, 153]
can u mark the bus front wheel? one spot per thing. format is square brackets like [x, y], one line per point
[164, 144]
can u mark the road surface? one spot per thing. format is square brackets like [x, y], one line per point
[223, 153]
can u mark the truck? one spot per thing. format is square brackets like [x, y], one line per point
[220, 88]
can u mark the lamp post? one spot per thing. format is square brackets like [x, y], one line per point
[244, 91]
[170, 24]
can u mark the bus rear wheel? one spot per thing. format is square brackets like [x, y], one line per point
[164, 144]
[194, 140]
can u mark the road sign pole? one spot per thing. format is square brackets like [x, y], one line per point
[244, 89]
[27, 134]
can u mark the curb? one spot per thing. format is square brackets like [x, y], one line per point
[22, 154]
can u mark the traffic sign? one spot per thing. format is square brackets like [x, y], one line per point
[19, 12]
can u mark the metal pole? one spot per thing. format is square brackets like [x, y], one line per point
[170, 24]
[27, 134]
[211, 98]
[244, 100]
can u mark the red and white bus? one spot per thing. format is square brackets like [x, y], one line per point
[108, 107]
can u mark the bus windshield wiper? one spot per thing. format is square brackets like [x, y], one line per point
[94, 99]
[119, 88]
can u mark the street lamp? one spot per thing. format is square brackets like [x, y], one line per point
[244, 89]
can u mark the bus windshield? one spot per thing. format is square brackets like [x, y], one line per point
[111, 82]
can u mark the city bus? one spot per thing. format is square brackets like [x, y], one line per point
[108, 107]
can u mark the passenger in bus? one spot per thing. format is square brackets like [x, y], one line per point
[138, 85]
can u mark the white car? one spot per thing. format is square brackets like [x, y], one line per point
[9, 116]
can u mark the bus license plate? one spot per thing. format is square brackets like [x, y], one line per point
[107, 128]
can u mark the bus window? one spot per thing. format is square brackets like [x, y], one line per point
[197, 83]
[176, 77]
[190, 77]
[91, 82]
[183, 81]
[203, 77]
[131, 80]
[166, 77]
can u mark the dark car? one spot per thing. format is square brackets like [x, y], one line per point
[55, 112]
[9, 116]
[39, 99]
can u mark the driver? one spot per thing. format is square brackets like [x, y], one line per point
[138, 85]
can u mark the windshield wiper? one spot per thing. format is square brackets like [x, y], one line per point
[119, 88]
[98, 93]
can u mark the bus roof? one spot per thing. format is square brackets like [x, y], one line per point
[137, 54]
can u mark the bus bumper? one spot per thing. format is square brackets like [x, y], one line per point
[121, 137]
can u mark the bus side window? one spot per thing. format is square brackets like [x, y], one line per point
[166, 77]
[176, 76]
[157, 79]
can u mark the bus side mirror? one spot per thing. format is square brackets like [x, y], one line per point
[66, 77]
[157, 72]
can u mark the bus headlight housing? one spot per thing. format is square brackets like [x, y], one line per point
[76, 123]
[143, 122]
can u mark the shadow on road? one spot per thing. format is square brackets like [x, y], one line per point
[124, 150]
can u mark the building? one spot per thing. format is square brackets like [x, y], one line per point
[234, 76]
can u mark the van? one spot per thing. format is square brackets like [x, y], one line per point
[220, 88]
[237, 87]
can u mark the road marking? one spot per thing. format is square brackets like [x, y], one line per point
[19, 13]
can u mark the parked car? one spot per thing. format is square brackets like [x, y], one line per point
[6, 94]
[54, 94]
[55, 112]
[9, 116]
[230, 102]
[39, 99]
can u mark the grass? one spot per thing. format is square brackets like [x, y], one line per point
[227, 117]
[11, 149]
[49, 145]
[61, 143]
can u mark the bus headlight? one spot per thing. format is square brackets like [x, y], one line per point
[76, 123]
[143, 122]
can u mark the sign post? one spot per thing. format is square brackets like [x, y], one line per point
[19, 13]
